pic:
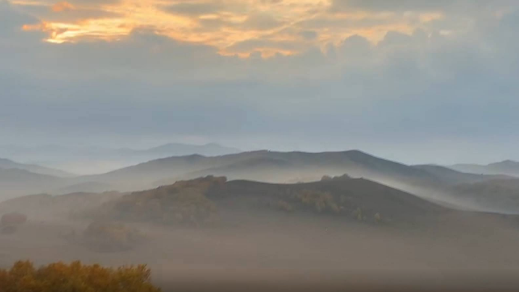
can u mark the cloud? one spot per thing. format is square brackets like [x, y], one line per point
[196, 8]
[447, 6]
[62, 6]
[423, 87]
[394, 5]
[309, 34]
[261, 21]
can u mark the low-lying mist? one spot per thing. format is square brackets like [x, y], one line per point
[269, 218]
[263, 233]
[269, 247]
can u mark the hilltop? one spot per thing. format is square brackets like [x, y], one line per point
[204, 200]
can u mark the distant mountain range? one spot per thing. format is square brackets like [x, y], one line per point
[427, 181]
[267, 166]
[282, 167]
[87, 160]
[507, 167]
[439, 184]
[9, 164]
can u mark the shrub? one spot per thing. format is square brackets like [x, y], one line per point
[58, 277]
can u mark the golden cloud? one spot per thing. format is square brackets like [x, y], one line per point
[234, 27]
[62, 6]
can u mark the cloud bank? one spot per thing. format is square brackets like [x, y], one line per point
[406, 79]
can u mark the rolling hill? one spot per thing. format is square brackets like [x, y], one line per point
[268, 166]
[426, 181]
[338, 224]
[435, 183]
[507, 167]
[499, 195]
[18, 182]
[452, 176]
[212, 199]
[90, 159]
[9, 164]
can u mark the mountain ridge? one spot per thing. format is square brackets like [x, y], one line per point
[10, 164]
[505, 167]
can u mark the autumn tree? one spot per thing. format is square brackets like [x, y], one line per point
[57, 277]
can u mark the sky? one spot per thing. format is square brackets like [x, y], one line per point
[412, 80]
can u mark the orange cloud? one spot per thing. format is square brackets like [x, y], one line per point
[62, 6]
[237, 27]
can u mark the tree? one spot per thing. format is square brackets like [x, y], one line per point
[57, 277]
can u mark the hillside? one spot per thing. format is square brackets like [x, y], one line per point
[212, 199]
[267, 166]
[90, 159]
[18, 182]
[427, 181]
[243, 228]
[498, 195]
[9, 164]
[452, 176]
[180, 149]
[61, 206]
[507, 167]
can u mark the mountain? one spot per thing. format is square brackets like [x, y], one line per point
[18, 182]
[336, 226]
[434, 183]
[9, 164]
[267, 166]
[88, 160]
[15, 176]
[89, 187]
[507, 167]
[214, 199]
[66, 206]
[456, 177]
[498, 195]
[179, 149]
[430, 182]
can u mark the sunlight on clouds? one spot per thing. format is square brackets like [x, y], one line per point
[234, 27]
[85, 30]
[62, 6]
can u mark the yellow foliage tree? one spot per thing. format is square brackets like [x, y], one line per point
[57, 277]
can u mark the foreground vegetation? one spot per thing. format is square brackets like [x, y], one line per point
[77, 277]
